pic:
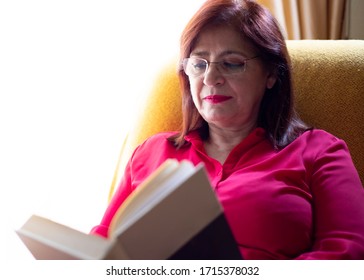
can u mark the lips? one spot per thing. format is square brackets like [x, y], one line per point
[216, 99]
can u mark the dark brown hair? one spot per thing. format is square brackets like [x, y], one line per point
[257, 25]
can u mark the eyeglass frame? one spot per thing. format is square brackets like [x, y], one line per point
[185, 62]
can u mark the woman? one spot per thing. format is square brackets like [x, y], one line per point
[288, 191]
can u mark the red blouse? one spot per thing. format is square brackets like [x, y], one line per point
[305, 201]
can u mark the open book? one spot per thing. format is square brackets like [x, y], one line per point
[174, 214]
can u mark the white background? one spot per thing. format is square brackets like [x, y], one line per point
[71, 75]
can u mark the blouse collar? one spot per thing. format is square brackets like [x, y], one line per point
[254, 137]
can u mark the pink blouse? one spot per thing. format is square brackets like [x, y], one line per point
[305, 201]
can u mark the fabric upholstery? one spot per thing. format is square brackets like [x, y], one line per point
[329, 90]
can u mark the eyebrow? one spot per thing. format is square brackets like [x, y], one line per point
[224, 53]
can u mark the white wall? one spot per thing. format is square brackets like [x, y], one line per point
[71, 73]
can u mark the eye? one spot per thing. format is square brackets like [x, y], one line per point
[233, 65]
[199, 65]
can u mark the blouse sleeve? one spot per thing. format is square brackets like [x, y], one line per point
[141, 164]
[123, 191]
[338, 206]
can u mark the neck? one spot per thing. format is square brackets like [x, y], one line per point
[222, 141]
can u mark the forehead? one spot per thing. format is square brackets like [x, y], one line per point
[222, 39]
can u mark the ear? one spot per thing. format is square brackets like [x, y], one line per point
[271, 78]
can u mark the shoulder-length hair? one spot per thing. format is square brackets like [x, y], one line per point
[257, 25]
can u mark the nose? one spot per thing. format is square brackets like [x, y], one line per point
[213, 76]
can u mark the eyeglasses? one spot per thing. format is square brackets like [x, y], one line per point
[196, 67]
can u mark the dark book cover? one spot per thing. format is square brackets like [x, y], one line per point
[214, 242]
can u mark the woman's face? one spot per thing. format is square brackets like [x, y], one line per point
[233, 100]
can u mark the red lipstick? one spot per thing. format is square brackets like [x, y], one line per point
[216, 99]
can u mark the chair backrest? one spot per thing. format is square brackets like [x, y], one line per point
[329, 92]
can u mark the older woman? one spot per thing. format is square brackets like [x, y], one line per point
[288, 191]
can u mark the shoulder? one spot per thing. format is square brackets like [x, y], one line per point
[159, 138]
[319, 135]
[155, 143]
[149, 155]
[315, 142]
[318, 142]
[321, 138]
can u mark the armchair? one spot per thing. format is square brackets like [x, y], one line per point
[329, 91]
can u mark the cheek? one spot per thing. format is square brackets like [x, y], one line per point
[249, 94]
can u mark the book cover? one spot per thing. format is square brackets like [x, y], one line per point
[174, 214]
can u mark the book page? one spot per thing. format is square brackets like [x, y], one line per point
[150, 192]
[50, 240]
[174, 219]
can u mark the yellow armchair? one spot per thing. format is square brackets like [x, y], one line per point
[329, 91]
